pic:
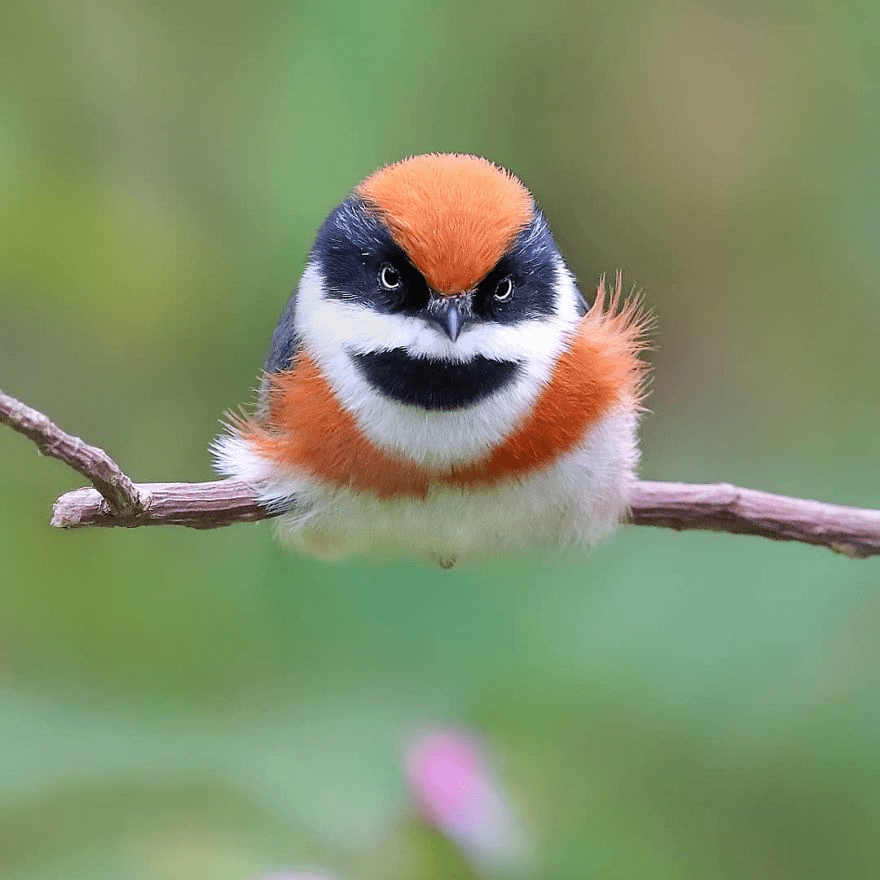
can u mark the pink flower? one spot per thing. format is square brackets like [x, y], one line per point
[457, 792]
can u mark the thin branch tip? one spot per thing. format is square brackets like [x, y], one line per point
[121, 494]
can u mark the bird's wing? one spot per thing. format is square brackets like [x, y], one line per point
[285, 340]
[582, 305]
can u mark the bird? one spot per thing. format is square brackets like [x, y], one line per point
[437, 386]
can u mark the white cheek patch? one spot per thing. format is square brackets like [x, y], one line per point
[332, 328]
[336, 323]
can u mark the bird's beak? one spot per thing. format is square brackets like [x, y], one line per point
[448, 316]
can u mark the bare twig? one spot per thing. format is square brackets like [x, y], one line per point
[717, 507]
[197, 505]
[720, 507]
[121, 495]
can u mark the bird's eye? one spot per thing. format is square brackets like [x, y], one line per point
[504, 290]
[389, 278]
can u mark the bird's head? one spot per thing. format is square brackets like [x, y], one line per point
[439, 265]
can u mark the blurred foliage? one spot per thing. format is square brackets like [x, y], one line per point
[206, 705]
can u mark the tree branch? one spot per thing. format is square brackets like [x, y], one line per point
[720, 507]
[116, 501]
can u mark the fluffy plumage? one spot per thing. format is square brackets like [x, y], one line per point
[378, 433]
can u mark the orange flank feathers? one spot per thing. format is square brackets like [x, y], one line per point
[455, 215]
[600, 368]
[307, 429]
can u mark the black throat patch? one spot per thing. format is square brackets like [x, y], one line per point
[434, 384]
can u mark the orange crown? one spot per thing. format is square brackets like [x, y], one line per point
[455, 215]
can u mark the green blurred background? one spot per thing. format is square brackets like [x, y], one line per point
[177, 704]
